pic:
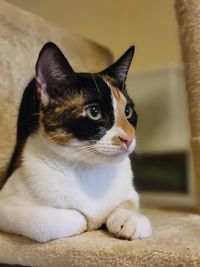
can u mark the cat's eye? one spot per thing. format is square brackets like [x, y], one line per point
[128, 111]
[94, 112]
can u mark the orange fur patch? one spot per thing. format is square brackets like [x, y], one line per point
[122, 121]
[116, 141]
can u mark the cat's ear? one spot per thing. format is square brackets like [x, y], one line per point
[119, 69]
[52, 68]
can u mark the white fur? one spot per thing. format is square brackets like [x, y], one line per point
[129, 224]
[62, 191]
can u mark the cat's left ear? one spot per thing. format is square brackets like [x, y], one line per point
[119, 69]
[52, 70]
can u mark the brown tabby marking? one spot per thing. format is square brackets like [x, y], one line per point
[74, 104]
[50, 117]
[60, 137]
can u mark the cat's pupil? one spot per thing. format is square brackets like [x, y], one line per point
[94, 111]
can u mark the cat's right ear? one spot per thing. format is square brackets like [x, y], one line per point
[52, 68]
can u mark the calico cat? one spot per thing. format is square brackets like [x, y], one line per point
[70, 171]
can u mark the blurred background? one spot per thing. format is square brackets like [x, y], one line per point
[162, 164]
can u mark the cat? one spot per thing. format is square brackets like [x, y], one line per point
[70, 171]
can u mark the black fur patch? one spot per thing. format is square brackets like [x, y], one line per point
[27, 123]
[95, 92]
[67, 119]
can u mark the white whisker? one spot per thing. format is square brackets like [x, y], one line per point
[95, 83]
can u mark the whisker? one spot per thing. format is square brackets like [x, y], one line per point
[87, 154]
[95, 83]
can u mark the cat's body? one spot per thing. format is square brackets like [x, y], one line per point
[72, 173]
[93, 191]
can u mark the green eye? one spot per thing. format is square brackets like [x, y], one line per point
[94, 112]
[128, 111]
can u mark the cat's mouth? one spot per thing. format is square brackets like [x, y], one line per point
[113, 152]
[112, 157]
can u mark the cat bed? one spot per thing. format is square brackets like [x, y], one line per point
[175, 242]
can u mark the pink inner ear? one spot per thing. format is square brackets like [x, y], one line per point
[41, 89]
[39, 75]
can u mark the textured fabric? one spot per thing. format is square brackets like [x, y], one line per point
[175, 242]
[175, 239]
[22, 36]
[196, 159]
[188, 16]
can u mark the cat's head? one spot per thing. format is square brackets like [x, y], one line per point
[88, 117]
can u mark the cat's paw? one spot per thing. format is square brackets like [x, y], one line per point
[126, 224]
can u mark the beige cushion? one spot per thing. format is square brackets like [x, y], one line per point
[175, 242]
[22, 35]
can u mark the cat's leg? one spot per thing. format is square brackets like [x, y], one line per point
[126, 223]
[41, 223]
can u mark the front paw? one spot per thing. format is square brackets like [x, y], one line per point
[127, 224]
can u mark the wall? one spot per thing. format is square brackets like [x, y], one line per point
[150, 25]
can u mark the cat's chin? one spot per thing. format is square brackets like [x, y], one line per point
[110, 158]
[102, 160]
[116, 157]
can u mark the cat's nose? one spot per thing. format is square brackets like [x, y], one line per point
[126, 140]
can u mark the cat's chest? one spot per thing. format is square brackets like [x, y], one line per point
[89, 190]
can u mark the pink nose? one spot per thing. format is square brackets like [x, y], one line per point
[126, 140]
